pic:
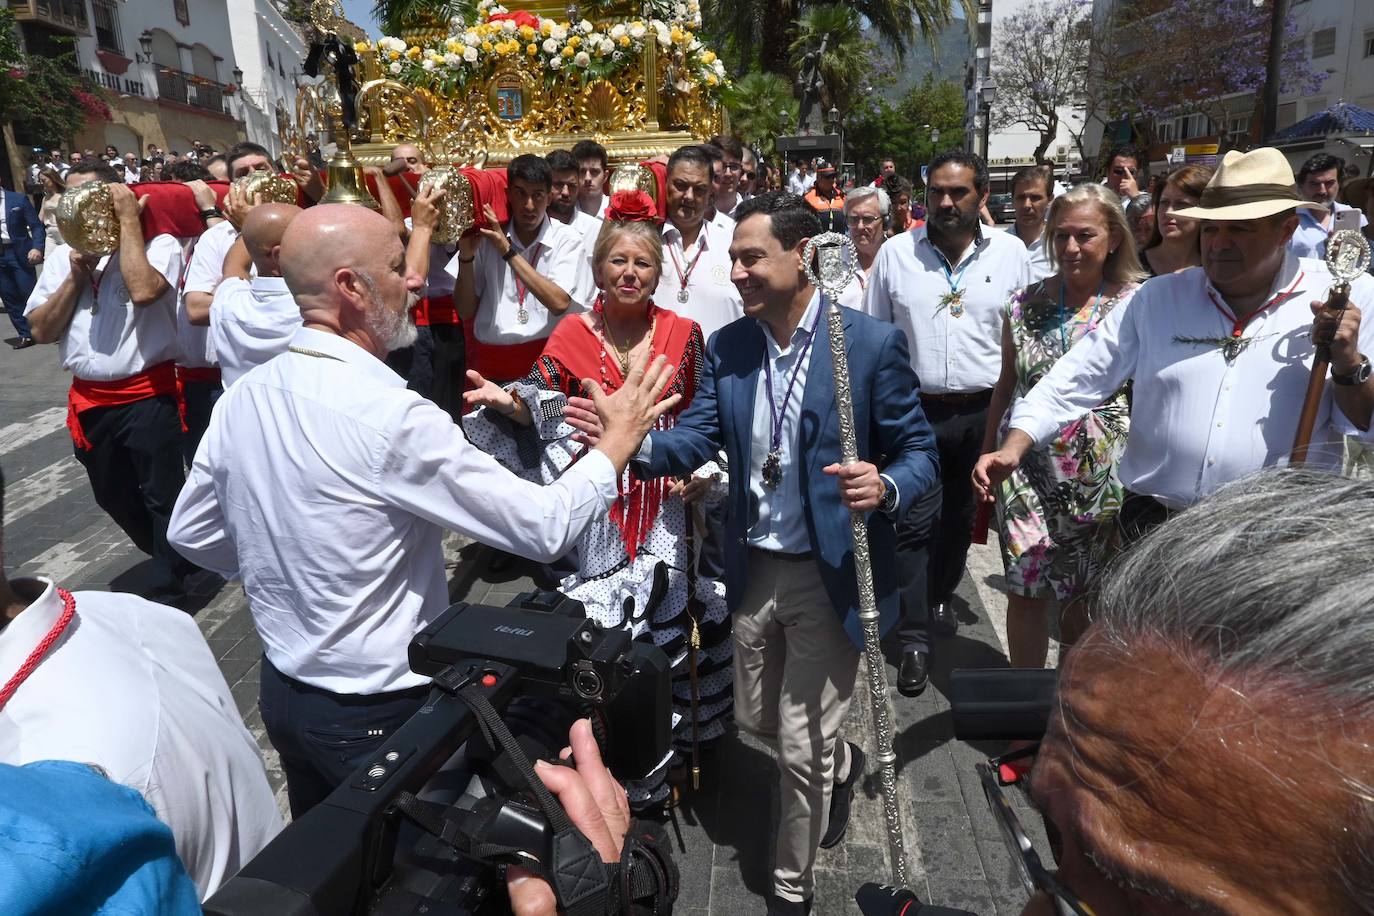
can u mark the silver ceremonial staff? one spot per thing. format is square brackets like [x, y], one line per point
[831, 261]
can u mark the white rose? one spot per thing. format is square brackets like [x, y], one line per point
[719, 68]
[559, 33]
[396, 67]
[453, 60]
[470, 55]
[618, 31]
[427, 63]
[607, 46]
[470, 38]
[584, 26]
[637, 32]
[594, 39]
[508, 26]
[555, 63]
[680, 10]
[582, 59]
[550, 46]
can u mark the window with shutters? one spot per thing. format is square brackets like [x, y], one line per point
[1323, 43]
[106, 17]
[1369, 43]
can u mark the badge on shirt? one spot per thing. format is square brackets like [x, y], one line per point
[952, 300]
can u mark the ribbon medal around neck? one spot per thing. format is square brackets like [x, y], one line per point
[954, 298]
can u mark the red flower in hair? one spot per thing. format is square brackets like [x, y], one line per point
[632, 207]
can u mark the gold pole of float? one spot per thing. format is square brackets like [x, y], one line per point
[835, 261]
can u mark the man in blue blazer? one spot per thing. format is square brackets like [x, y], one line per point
[767, 397]
[22, 238]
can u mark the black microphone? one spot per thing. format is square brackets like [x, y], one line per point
[883, 900]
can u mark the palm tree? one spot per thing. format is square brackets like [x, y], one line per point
[399, 16]
[846, 60]
[761, 108]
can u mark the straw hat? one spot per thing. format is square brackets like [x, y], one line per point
[1249, 185]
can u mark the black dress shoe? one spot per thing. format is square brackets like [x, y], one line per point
[777, 906]
[23, 343]
[912, 676]
[840, 798]
[943, 621]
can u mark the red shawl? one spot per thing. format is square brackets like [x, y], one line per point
[574, 352]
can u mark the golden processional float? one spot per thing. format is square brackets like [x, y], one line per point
[632, 76]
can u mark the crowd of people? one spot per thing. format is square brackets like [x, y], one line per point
[630, 392]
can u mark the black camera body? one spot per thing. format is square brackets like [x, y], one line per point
[542, 664]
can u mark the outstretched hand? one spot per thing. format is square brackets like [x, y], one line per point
[582, 416]
[630, 412]
[486, 393]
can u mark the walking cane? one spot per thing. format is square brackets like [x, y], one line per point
[836, 261]
[1347, 256]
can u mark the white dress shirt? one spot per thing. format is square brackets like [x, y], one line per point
[952, 354]
[800, 182]
[1309, 239]
[713, 301]
[560, 258]
[1039, 252]
[438, 281]
[1198, 422]
[726, 225]
[598, 210]
[132, 687]
[251, 321]
[109, 337]
[206, 266]
[325, 485]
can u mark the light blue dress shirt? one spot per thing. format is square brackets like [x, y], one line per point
[1309, 239]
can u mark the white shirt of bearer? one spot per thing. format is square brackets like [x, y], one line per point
[326, 485]
[713, 301]
[1197, 420]
[955, 349]
[251, 321]
[109, 337]
[557, 253]
[132, 687]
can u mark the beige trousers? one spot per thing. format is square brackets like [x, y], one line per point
[794, 677]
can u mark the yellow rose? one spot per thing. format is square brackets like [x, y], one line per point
[708, 58]
[526, 32]
[568, 51]
[452, 44]
[531, 49]
[711, 79]
[574, 40]
[676, 36]
[394, 55]
[624, 41]
[546, 27]
[487, 46]
[413, 53]
[360, 47]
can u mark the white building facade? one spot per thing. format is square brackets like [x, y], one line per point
[271, 54]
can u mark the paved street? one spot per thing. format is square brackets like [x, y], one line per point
[955, 853]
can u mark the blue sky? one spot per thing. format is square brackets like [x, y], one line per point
[360, 11]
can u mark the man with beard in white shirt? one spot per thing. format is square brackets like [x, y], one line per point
[1219, 356]
[325, 485]
[253, 318]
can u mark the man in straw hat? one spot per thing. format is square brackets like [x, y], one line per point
[1220, 356]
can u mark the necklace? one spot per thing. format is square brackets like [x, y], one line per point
[623, 356]
[303, 351]
[954, 299]
[44, 644]
[521, 291]
[1236, 343]
[772, 462]
[1063, 319]
[684, 277]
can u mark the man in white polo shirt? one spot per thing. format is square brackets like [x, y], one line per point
[515, 282]
[945, 284]
[252, 318]
[695, 281]
[114, 320]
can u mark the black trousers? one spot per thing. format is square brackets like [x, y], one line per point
[415, 363]
[134, 465]
[914, 533]
[323, 737]
[200, 403]
[1139, 515]
[449, 356]
[17, 279]
[959, 425]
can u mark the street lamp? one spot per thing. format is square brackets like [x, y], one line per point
[145, 41]
[238, 77]
[988, 95]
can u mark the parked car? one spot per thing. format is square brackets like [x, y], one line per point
[1000, 206]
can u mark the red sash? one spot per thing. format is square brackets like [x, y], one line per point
[501, 362]
[151, 383]
[434, 310]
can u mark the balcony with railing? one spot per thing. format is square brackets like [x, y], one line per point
[64, 15]
[189, 89]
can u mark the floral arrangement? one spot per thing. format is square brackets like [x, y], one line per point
[583, 50]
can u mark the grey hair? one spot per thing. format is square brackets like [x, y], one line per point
[1269, 580]
[856, 195]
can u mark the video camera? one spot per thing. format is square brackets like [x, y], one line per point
[986, 704]
[428, 823]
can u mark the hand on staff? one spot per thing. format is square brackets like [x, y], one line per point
[628, 414]
[307, 179]
[690, 488]
[861, 488]
[486, 393]
[1338, 329]
[581, 416]
[596, 805]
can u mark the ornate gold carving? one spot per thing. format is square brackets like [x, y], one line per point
[393, 112]
[457, 211]
[86, 219]
[601, 108]
[271, 187]
[634, 177]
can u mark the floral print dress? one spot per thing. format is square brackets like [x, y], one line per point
[1052, 510]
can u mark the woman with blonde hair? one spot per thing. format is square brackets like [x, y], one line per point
[1053, 511]
[636, 569]
[1176, 243]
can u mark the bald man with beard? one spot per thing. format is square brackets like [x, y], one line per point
[252, 318]
[326, 486]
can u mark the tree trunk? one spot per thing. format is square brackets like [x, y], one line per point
[1047, 137]
[1272, 66]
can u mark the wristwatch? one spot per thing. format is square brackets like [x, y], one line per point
[888, 503]
[211, 213]
[510, 253]
[1358, 377]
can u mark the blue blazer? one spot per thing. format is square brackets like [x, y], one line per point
[890, 426]
[25, 228]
